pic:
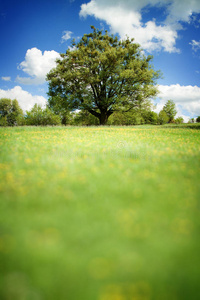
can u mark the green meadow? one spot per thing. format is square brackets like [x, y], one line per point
[99, 213]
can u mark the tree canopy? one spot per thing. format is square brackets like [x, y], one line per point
[102, 74]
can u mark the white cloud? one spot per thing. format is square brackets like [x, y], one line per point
[125, 18]
[182, 10]
[195, 45]
[186, 98]
[66, 36]
[6, 78]
[25, 99]
[37, 65]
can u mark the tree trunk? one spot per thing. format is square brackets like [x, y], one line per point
[103, 118]
[104, 115]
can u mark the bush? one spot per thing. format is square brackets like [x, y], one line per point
[151, 117]
[162, 117]
[126, 118]
[38, 116]
[179, 120]
[20, 120]
[3, 121]
[83, 118]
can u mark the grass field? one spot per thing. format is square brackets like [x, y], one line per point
[99, 213]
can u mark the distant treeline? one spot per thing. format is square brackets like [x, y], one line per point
[11, 114]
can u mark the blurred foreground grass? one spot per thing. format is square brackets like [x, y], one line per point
[105, 213]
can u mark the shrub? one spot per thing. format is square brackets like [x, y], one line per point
[83, 118]
[151, 117]
[179, 120]
[3, 121]
[162, 117]
[38, 116]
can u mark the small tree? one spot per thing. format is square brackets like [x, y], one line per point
[10, 112]
[162, 117]
[170, 109]
[198, 119]
[102, 75]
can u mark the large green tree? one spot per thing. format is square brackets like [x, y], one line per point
[102, 74]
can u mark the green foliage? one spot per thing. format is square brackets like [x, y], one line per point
[38, 116]
[179, 120]
[102, 75]
[151, 117]
[198, 119]
[136, 116]
[83, 118]
[133, 118]
[170, 109]
[3, 121]
[58, 105]
[10, 113]
[162, 117]
[120, 118]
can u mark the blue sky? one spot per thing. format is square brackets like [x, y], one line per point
[34, 32]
